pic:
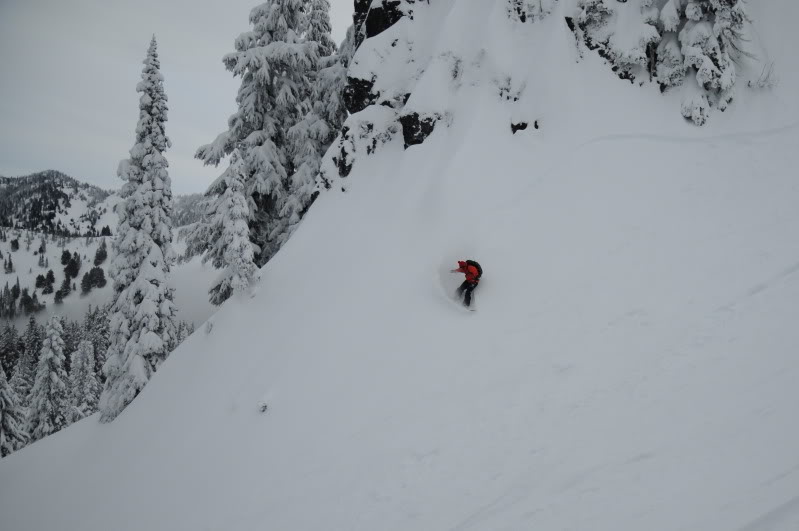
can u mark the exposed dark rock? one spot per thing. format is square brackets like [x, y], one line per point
[358, 18]
[396, 102]
[384, 15]
[416, 128]
[359, 135]
[521, 126]
[535, 124]
[343, 159]
[361, 10]
[358, 94]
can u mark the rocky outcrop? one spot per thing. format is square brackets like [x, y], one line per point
[383, 15]
[358, 94]
[362, 135]
[521, 126]
[416, 128]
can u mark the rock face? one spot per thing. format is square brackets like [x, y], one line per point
[358, 94]
[363, 134]
[521, 126]
[383, 76]
[383, 15]
[416, 128]
[371, 18]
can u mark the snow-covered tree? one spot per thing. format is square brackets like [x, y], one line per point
[25, 371]
[670, 69]
[627, 47]
[142, 325]
[230, 248]
[49, 403]
[269, 105]
[711, 40]
[312, 136]
[95, 329]
[72, 336]
[84, 387]
[681, 42]
[12, 419]
[186, 329]
[9, 348]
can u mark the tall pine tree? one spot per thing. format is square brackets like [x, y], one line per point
[274, 62]
[84, 388]
[95, 329]
[12, 419]
[49, 399]
[231, 249]
[143, 315]
[325, 113]
[25, 372]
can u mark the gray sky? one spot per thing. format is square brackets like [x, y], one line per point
[68, 74]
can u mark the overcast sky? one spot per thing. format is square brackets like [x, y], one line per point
[68, 74]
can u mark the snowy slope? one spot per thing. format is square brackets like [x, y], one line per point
[631, 365]
[52, 201]
[190, 279]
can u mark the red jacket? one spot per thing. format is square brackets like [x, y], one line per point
[472, 274]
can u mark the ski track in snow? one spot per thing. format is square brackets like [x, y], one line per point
[777, 518]
[757, 289]
[744, 135]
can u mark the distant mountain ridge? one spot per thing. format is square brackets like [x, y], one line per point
[51, 201]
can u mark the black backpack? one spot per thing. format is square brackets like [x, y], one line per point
[475, 264]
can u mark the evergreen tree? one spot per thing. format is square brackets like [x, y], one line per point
[231, 249]
[101, 254]
[95, 329]
[186, 329]
[63, 291]
[72, 336]
[12, 419]
[84, 388]
[325, 113]
[48, 400]
[72, 268]
[25, 372]
[143, 315]
[28, 304]
[9, 348]
[85, 284]
[269, 105]
[15, 290]
[711, 40]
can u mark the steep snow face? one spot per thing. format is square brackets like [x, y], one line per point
[631, 364]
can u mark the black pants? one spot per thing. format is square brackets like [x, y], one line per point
[466, 290]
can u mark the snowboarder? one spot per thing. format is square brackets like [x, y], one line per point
[473, 273]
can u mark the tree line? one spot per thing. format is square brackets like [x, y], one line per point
[52, 375]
